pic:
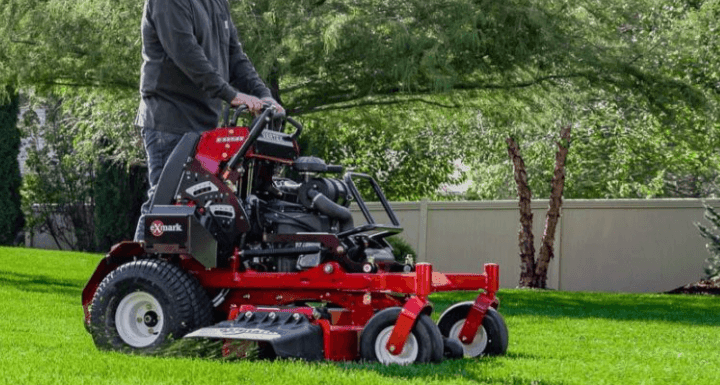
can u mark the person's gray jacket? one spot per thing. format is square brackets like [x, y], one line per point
[192, 60]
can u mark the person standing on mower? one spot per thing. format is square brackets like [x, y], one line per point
[192, 61]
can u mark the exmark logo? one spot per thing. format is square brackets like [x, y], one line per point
[157, 228]
[229, 139]
[235, 333]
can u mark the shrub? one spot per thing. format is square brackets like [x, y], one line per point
[119, 192]
[401, 248]
[11, 218]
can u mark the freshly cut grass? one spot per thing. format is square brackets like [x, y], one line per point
[555, 338]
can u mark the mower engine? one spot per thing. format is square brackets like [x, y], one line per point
[210, 205]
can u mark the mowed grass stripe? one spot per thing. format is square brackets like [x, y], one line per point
[555, 338]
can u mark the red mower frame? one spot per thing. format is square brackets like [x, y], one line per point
[359, 294]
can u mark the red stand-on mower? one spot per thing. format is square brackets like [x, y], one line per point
[246, 240]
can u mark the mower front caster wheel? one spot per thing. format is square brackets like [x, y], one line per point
[144, 305]
[491, 337]
[424, 344]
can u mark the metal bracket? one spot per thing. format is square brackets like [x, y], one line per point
[404, 324]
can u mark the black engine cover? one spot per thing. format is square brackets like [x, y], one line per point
[291, 218]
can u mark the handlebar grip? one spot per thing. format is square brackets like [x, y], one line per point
[254, 133]
[239, 110]
[226, 116]
[279, 115]
[297, 125]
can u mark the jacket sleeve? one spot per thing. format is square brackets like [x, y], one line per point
[243, 75]
[174, 27]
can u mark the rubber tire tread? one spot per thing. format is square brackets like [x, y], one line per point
[494, 324]
[436, 337]
[184, 302]
[388, 317]
[453, 349]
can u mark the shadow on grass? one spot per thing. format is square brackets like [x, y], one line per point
[476, 370]
[41, 283]
[683, 309]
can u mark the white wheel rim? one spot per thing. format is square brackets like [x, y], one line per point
[139, 319]
[407, 356]
[477, 347]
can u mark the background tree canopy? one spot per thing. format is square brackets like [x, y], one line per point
[403, 88]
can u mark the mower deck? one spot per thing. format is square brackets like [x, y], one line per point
[340, 328]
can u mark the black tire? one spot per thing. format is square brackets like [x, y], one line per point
[158, 303]
[493, 326]
[435, 336]
[419, 344]
[453, 349]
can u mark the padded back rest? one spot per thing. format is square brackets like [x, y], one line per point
[173, 170]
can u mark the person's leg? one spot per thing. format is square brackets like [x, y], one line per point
[158, 146]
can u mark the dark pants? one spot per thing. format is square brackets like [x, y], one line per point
[158, 145]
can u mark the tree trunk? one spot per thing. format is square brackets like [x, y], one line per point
[553, 213]
[525, 236]
[49, 224]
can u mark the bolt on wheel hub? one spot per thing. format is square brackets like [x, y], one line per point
[477, 347]
[407, 356]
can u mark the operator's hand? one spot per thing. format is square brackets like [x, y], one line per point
[253, 104]
[274, 102]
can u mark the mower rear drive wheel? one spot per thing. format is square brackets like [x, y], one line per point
[419, 346]
[491, 337]
[144, 305]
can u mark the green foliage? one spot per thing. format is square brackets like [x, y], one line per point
[401, 248]
[611, 69]
[86, 43]
[57, 189]
[74, 188]
[402, 89]
[118, 195]
[409, 153]
[11, 218]
[642, 128]
[87, 51]
[712, 234]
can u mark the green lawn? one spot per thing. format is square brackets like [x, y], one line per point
[555, 338]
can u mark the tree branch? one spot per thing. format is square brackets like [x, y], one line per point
[319, 101]
[27, 42]
[553, 213]
[104, 84]
[526, 239]
[333, 107]
[529, 83]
